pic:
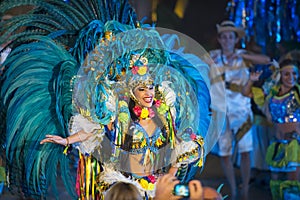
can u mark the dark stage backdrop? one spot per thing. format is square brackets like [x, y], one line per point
[199, 21]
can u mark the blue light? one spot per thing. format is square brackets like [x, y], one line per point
[278, 37]
[298, 35]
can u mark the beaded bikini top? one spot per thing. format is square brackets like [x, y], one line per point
[285, 108]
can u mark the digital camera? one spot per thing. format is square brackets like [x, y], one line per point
[181, 190]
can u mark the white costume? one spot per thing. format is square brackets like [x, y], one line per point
[238, 107]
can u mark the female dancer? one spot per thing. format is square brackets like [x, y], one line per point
[133, 105]
[145, 123]
[282, 106]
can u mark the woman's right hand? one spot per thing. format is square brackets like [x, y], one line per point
[55, 139]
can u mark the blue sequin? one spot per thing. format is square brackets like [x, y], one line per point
[285, 109]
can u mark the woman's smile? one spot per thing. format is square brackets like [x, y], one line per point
[148, 99]
[144, 95]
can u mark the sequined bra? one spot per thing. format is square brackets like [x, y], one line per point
[285, 108]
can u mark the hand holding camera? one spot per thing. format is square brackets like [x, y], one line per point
[168, 187]
[181, 190]
[193, 190]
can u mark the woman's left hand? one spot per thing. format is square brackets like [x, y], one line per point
[54, 139]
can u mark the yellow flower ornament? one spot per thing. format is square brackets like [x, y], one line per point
[150, 186]
[144, 113]
[144, 183]
[142, 70]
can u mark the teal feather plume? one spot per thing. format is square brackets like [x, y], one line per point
[30, 90]
[87, 40]
[49, 43]
[48, 17]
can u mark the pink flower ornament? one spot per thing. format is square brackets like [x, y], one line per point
[135, 69]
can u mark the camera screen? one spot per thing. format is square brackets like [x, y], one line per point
[181, 190]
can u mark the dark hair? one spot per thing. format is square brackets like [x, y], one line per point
[287, 62]
[235, 33]
[131, 105]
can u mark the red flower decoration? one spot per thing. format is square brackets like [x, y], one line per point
[137, 110]
[151, 113]
[193, 136]
[134, 69]
[152, 178]
[157, 103]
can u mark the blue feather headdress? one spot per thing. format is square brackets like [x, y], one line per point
[108, 69]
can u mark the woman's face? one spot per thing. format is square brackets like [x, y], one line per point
[144, 95]
[227, 40]
[289, 76]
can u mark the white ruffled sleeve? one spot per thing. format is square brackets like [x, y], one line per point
[78, 123]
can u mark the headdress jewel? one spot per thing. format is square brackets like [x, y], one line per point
[139, 72]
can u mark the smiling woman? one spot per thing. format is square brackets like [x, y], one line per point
[144, 94]
[282, 106]
[128, 96]
[133, 133]
[289, 77]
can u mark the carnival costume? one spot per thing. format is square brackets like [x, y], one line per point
[282, 155]
[238, 107]
[74, 68]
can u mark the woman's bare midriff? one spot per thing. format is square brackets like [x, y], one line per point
[287, 130]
